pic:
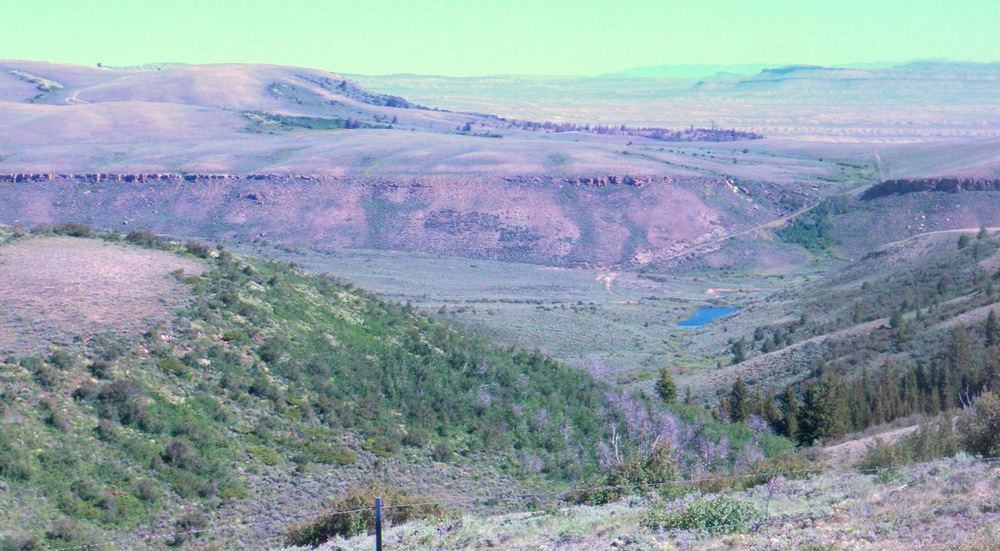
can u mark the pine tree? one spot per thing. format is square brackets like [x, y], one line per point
[769, 410]
[666, 387]
[739, 400]
[739, 351]
[809, 416]
[991, 377]
[896, 320]
[789, 414]
[992, 328]
[824, 411]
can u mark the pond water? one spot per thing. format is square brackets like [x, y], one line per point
[705, 315]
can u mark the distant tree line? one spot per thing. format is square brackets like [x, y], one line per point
[690, 134]
[934, 371]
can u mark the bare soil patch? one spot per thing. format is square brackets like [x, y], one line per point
[61, 289]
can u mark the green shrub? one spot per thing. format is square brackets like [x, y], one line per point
[45, 375]
[73, 229]
[146, 490]
[641, 474]
[980, 427]
[174, 366]
[717, 515]
[416, 438]
[146, 238]
[264, 454]
[15, 461]
[63, 531]
[236, 336]
[441, 452]
[316, 532]
[330, 454]
[62, 359]
[200, 250]
[191, 521]
[122, 400]
[790, 465]
[22, 543]
[882, 455]
[382, 446]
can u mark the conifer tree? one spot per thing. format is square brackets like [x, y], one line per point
[666, 387]
[789, 414]
[739, 400]
[992, 329]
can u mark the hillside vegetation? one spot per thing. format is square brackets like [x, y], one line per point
[265, 367]
[266, 389]
[909, 329]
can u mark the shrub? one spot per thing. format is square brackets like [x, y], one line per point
[62, 359]
[106, 431]
[264, 454]
[641, 474]
[718, 515]
[316, 532]
[327, 454]
[146, 238]
[122, 400]
[174, 366]
[15, 464]
[73, 229]
[882, 455]
[200, 250]
[45, 375]
[191, 521]
[789, 465]
[382, 446]
[22, 543]
[980, 427]
[180, 453]
[146, 490]
[65, 530]
[441, 452]
[41, 228]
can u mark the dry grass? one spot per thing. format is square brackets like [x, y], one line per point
[55, 289]
[947, 504]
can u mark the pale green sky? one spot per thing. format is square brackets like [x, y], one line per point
[477, 37]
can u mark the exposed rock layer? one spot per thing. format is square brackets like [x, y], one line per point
[914, 185]
[600, 219]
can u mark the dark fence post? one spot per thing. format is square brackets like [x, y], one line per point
[378, 524]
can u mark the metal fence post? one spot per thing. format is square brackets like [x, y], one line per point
[378, 524]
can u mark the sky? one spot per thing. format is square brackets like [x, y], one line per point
[484, 37]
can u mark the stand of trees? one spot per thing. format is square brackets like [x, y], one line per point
[829, 405]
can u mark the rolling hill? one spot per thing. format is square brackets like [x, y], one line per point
[185, 383]
[156, 385]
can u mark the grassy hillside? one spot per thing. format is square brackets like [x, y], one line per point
[266, 369]
[248, 389]
[909, 329]
[946, 504]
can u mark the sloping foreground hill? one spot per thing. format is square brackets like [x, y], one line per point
[946, 504]
[244, 389]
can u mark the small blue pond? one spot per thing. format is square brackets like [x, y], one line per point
[705, 315]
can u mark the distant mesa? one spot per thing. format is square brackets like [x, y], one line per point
[916, 185]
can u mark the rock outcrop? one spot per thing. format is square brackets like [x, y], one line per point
[915, 185]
